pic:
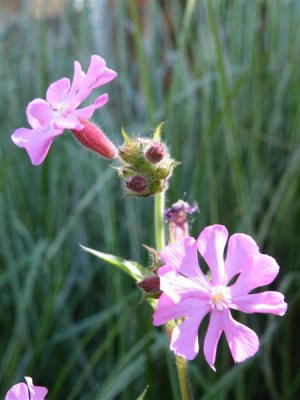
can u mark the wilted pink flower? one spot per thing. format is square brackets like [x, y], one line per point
[177, 216]
[48, 118]
[189, 294]
[26, 391]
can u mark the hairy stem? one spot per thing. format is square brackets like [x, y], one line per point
[181, 363]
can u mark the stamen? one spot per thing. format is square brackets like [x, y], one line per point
[220, 297]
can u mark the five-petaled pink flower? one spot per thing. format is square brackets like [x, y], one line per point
[48, 118]
[190, 294]
[26, 391]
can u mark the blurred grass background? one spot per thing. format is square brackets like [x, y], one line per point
[225, 77]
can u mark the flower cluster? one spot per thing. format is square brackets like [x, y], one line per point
[26, 391]
[48, 118]
[147, 164]
[190, 294]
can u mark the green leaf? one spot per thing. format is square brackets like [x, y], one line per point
[132, 268]
[156, 135]
[127, 139]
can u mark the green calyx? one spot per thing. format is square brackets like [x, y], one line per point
[147, 164]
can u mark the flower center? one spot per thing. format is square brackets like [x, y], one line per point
[61, 107]
[220, 297]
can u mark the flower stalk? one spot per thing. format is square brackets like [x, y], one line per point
[181, 363]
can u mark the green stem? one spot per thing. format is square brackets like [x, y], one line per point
[159, 207]
[181, 363]
[184, 380]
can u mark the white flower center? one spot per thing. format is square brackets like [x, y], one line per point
[61, 107]
[220, 297]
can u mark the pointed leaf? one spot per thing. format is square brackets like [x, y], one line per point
[142, 396]
[156, 135]
[133, 269]
[125, 136]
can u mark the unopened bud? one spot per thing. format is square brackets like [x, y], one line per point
[136, 184]
[92, 137]
[155, 152]
[150, 284]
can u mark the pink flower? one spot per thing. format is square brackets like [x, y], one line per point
[26, 391]
[48, 118]
[189, 294]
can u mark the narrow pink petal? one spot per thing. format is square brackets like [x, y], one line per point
[266, 302]
[184, 340]
[57, 92]
[242, 341]
[179, 287]
[211, 243]
[167, 310]
[259, 270]
[18, 392]
[106, 75]
[182, 256]
[78, 77]
[85, 112]
[212, 337]
[35, 141]
[240, 247]
[101, 101]
[38, 113]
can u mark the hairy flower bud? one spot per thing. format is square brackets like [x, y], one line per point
[92, 137]
[151, 284]
[155, 152]
[146, 164]
[136, 184]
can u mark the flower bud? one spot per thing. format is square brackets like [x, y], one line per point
[92, 137]
[136, 184]
[151, 284]
[155, 152]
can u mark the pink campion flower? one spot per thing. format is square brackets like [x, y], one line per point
[48, 118]
[190, 294]
[26, 391]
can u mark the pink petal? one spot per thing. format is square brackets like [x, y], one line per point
[38, 113]
[240, 247]
[101, 101]
[259, 270]
[78, 78]
[179, 287]
[57, 92]
[17, 392]
[97, 65]
[36, 392]
[105, 76]
[266, 302]
[242, 341]
[68, 122]
[212, 337]
[35, 141]
[182, 256]
[184, 340]
[211, 243]
[85, 112]
[167, 310]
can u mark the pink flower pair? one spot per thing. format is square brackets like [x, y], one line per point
[48, 118]
[26, 391]
[190, 293]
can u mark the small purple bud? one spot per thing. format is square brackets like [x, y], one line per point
[136, 184]
[150, 284]
[155, 152]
